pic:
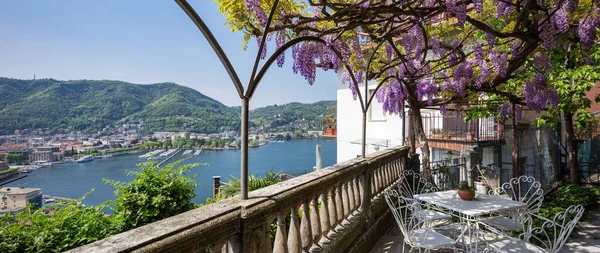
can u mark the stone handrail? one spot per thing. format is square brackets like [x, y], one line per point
[324, 211]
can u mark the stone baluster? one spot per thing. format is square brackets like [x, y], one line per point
[294, 240]
[333, 220]
[382, 177]
[388, 174]
[375, 181]
[390, 171]
[345, 200]
[351, 193]
[396, 171]
[339, 201]
[324, 215]
[357, 193]
[305, 226]
[365, 201]
[280, 244]
[315, 222]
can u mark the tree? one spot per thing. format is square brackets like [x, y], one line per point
[14, 158]
[340, 35]
[574, 73]
[154, 194]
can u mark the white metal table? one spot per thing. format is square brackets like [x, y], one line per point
[471, 211]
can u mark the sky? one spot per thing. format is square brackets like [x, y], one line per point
[141, 42]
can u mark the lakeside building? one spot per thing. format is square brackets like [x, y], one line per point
[18, 199]
[3, 166]
[453, 142]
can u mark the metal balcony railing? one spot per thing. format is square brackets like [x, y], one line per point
[454, 128]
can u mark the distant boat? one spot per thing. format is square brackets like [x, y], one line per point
[198, 151]
[85, 159]
[105, 156]
[187, 152]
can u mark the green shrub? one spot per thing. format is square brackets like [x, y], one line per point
[573, 195]
[4, 172]
[565, 196]
[72, 225]
[154, 194]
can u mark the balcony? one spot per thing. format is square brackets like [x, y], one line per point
[452, 132]
[337, 209]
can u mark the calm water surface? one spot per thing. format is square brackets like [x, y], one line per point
[73, 180]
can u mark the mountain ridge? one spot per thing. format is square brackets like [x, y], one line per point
[90, 105]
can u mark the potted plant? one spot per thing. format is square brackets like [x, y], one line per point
[436, 133]
[469, 136]
[466, 192]
[447, 134]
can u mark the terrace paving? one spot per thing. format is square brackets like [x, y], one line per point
[584, 239]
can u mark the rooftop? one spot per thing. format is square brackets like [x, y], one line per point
[18, 190]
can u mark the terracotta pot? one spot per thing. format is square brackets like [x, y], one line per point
[466, 195]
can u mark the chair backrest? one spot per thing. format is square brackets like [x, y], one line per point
[402, 209]
[524, 189]
[412, 183]
[553, 234]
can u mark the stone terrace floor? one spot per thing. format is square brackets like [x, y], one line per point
[584, 239]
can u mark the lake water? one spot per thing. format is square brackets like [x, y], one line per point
[73, 180]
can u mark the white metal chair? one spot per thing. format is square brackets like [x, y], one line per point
[549, 237]
[524, 189]
[411, 184]
[412, 224]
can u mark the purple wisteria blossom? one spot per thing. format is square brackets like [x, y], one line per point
[538, 96]
[506, 110]
[392, 96]
[279, 41]
[491, 40]
[478, 4]
[254, 7]
[562, 19]
[549, 35]
[542, 62]
[587, 32]
[426, 88]
[502, 9]
[499, 60]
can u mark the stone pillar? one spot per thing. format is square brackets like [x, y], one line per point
[467, 154]
[216, 186]
[319, 154]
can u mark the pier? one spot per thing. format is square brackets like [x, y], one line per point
[12, 179]
[56, 197]
[169, 157]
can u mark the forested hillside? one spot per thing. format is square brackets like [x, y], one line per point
[91, 105]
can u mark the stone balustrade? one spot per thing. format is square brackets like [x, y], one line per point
[336, 209]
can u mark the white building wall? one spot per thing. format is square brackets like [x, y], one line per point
[349, 127]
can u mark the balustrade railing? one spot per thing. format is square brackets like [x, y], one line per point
[329, 210]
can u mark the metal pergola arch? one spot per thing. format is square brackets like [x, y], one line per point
[256, 77]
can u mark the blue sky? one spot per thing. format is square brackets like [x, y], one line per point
[139, 42]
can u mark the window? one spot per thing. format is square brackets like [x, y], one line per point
[376, 109]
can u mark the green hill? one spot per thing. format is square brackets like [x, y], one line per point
[91, 105]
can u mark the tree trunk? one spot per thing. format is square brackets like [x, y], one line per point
[514, 143]
[574, 175]
[419, 133]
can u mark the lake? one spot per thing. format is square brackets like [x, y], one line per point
[73, 180]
